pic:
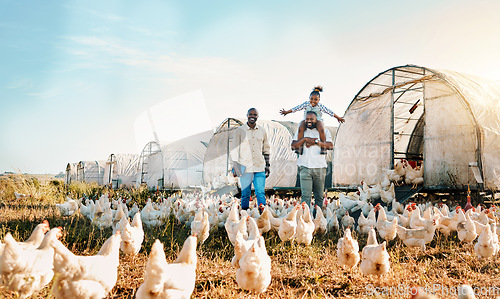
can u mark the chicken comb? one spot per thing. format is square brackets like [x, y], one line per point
[45, 222]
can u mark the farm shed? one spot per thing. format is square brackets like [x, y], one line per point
[175, 165]
[283, 160]
[70, 173]
[121, 170]
[90, 171]
[448, 121]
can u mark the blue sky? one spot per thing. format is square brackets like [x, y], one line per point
[76, 75]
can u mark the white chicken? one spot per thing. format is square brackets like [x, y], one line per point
[234, 224]
[68, 208]
[320, 222]
[347, 221]
[132, 236]
[417, 237]
[486, 246]
[364, 224]
[389, 195]
[332, 222]
[466, 230]
[413, 176]
[375, 260]
[36, 236]
[288, 225]
[254, 273]
[264, 220]
[26, 270]
[305, 226]
[200, 227]
[386, 229]
[241, 246]
[348, 251]
[86, 276]
[175, 280]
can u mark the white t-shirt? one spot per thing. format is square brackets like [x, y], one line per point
[311, 157]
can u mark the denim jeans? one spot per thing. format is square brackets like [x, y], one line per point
[259, 181]
[312, 180]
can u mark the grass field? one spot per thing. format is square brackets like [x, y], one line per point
[297, 271]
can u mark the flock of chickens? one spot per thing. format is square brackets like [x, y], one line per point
[26, 267]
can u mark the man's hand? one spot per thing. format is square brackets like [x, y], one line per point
[310, 141]
[268, 165]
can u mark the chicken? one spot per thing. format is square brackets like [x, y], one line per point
[332, 221]
[347, 221]
[200, 227]
[320, 222]
[375, 260]
[36, 236]
[288, 227]
[175, 280]
[417, 237]
[86, 276]
[234, 224]
[241, 246]
[389, 195]
[364, 224]
[415, 176]
[486, 246]
[132, 236]
[372, 237]
[466, 230]
[68, 208]
[397, 207]
[27, 270]
[264, 220]
[386, 229]
[20, 195]
[117, 218]
[254, 273]
[305, 227]
[446, 224]
[348, 251]
[397, 174]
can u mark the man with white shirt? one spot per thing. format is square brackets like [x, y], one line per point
[250, 156]
[312, 165]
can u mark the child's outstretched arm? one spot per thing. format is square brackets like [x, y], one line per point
[294, 109]
[331, 113]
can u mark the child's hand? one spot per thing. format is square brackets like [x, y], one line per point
[340, 119]
[284, 112]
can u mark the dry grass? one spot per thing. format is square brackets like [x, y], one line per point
[297, 271]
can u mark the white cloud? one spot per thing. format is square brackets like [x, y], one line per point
[20, 83]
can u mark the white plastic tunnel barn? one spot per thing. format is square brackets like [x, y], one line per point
[121, 170]
[283, 160]
[90, 171]
[176, 165]
[447, 120]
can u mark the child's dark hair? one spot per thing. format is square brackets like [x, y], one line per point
[316, 90]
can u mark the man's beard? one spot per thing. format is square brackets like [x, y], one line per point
[311, 125]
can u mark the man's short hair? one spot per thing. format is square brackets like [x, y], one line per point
[312, 112]
[252, 109]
